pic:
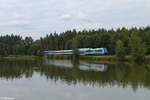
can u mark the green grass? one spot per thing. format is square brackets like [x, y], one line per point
[104, 59]
[20, 57]
[101, 59]
[111, 59]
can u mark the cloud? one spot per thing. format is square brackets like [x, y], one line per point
[83, 17]
[66, 17]
[44, 16]
[76, 16]
[17, 23]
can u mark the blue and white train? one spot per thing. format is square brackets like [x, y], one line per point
[93, 51]
[82, 51]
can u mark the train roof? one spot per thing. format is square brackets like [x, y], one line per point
[91, 48]
[80, 49]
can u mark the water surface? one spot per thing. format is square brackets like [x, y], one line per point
[69, 80]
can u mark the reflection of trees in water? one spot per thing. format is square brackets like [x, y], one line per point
[16, 69]
[120, 74]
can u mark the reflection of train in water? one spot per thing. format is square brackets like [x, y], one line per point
[82, 51]
[85, 66]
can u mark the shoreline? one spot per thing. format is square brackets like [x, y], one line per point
[108, 59]
[20, 57]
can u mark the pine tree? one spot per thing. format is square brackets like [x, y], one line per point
[120, 50]
[137, 48]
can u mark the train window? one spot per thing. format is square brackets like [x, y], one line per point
[87, 50]
[99, 50]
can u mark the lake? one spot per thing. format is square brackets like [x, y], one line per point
[73, 80]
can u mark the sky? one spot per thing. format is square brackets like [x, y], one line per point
[37, 18]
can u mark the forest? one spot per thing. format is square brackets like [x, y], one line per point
[122, 41]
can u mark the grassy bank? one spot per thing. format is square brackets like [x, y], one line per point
[110, 59]
[102, 59]
[20, 57]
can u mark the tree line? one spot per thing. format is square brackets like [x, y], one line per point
[16, 45]
[122, 41]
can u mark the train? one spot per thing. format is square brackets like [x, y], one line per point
[82, 51]
[93, 51]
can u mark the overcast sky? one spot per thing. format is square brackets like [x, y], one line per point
[39, 17]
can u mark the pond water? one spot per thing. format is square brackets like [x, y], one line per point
[69, 80]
